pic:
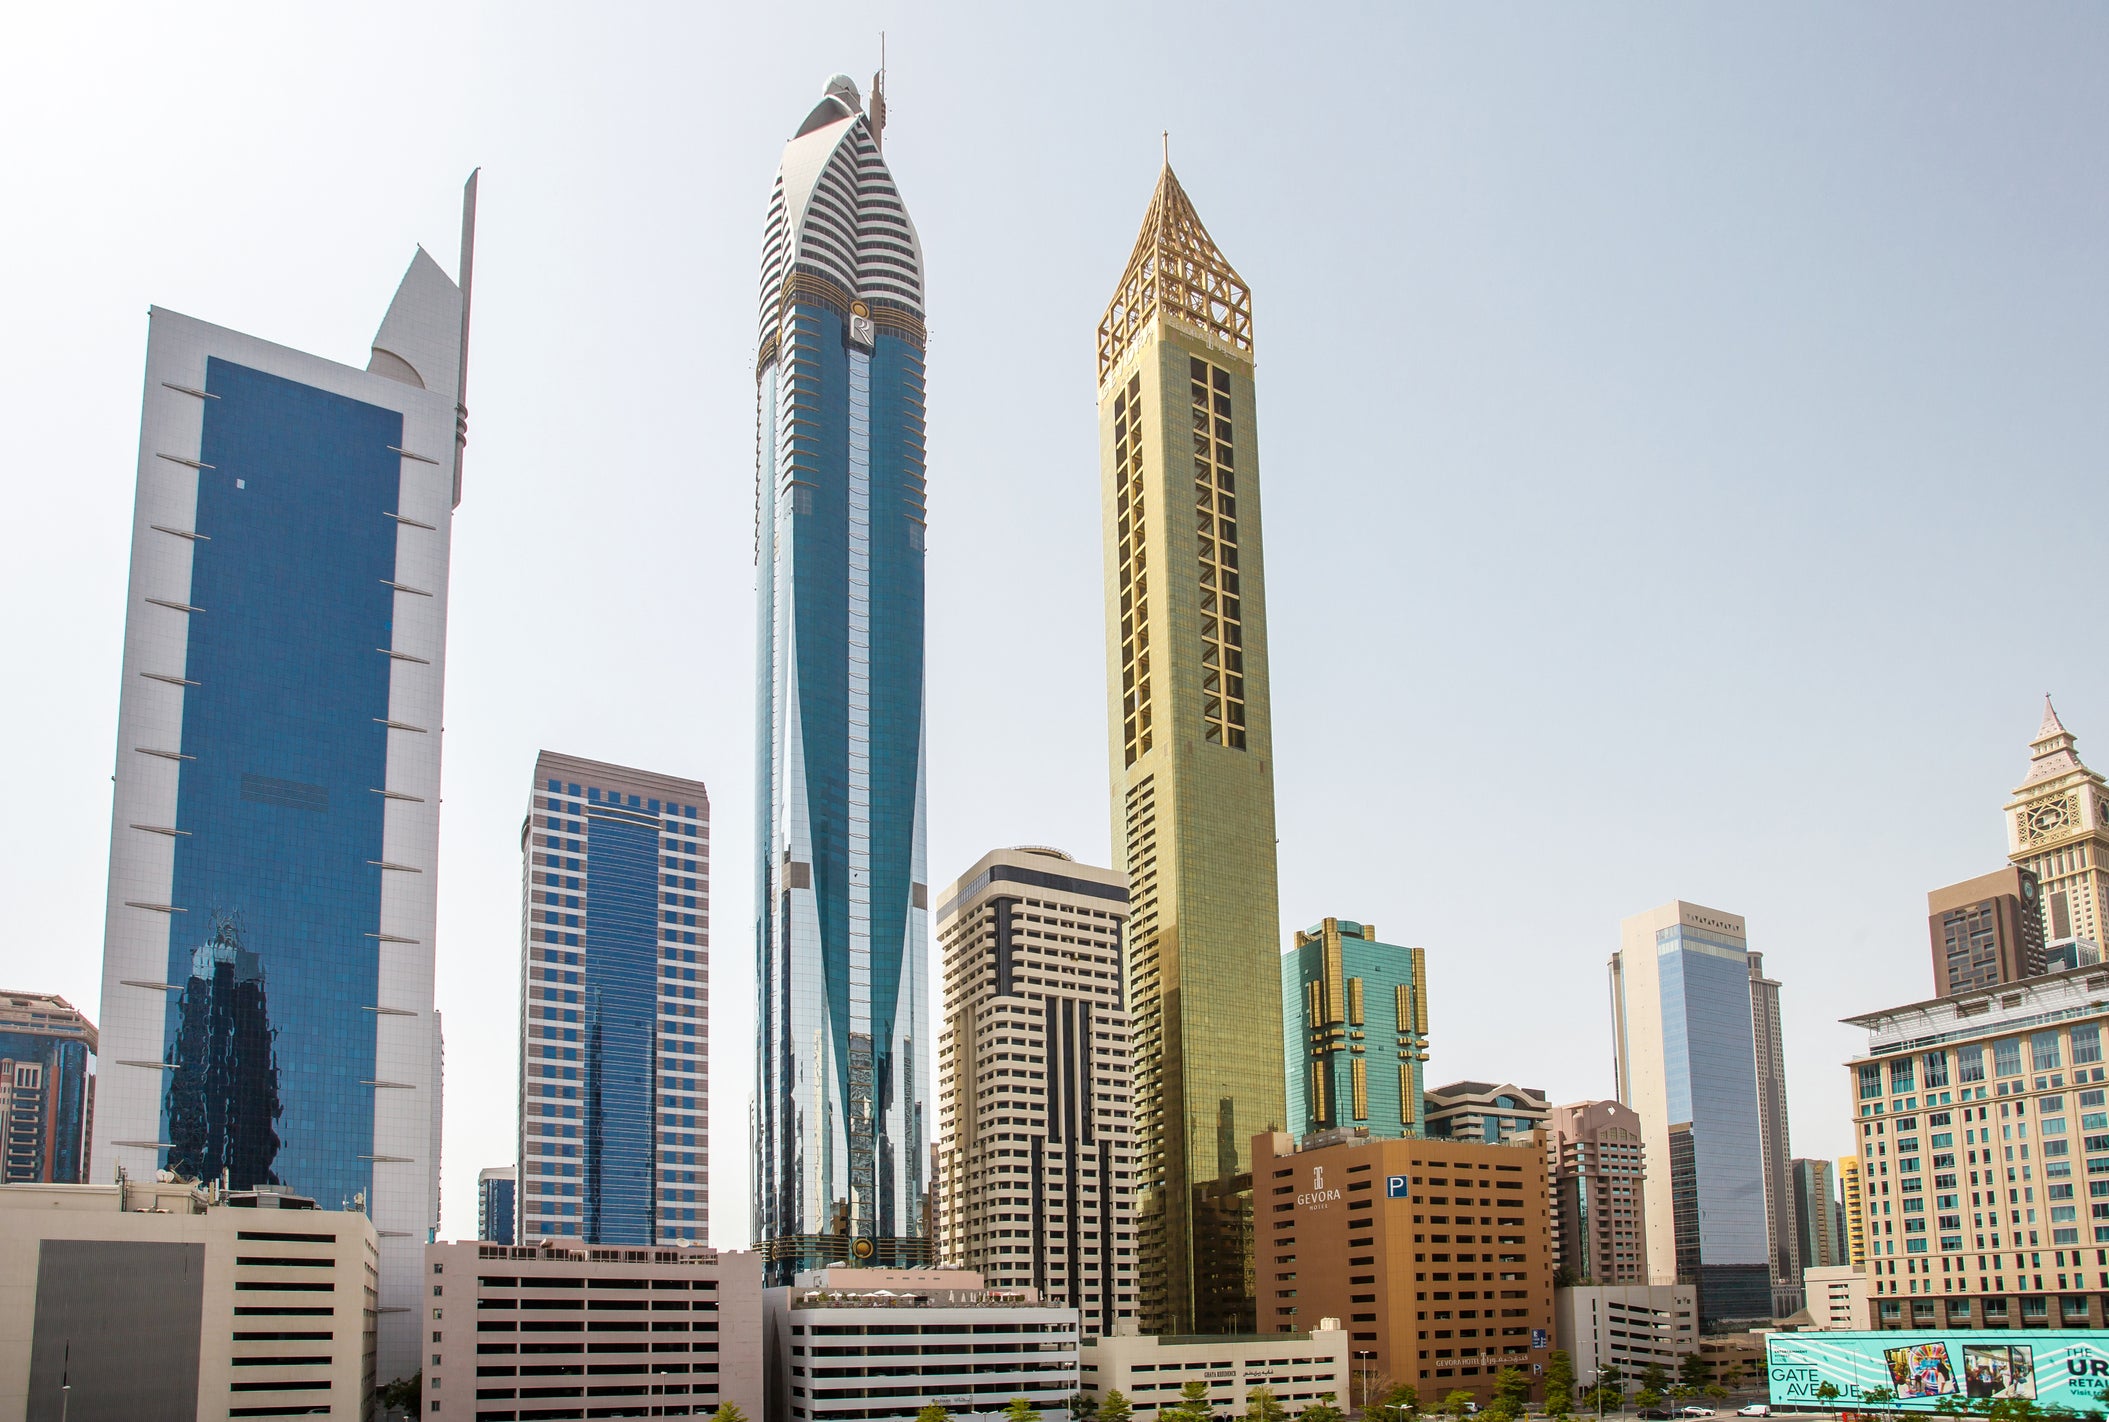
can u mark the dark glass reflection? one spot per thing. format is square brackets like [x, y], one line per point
[223, 1104]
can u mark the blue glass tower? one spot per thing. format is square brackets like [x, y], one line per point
[614, 1006]
[267, 1011]
[1687, 1060]
[497, 1204]
[841, 923]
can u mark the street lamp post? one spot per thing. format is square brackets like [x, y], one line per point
[1363, 1354]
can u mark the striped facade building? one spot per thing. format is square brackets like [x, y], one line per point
[1035, 1173]
[614, 1007]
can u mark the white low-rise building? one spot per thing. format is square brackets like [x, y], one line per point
[170, 1300]
[1625, 1326]
[1298, 1368]
[1837, 1297]
[880, 1344]
[522, 1332]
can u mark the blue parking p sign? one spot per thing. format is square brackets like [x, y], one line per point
[1397, 1187]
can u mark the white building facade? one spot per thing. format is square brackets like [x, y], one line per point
[882, 1344]
[1625, 1326]
[1035, 1168]
[150, 1300]
[524, 1332]
[267, 1011]
[1837, 1295]
[1297, 1368]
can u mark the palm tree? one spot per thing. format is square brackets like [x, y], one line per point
[1260, 1406]
[1192, 1405]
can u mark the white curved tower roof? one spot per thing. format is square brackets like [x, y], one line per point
[836, 215]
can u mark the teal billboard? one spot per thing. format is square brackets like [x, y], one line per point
[1929, 1371]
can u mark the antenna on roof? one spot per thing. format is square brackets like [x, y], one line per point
[878, 97]
[468, 284]
[1167, 148]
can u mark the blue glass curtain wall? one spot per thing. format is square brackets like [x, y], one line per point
[1711, 1072]
[276, 876]
[621, 978]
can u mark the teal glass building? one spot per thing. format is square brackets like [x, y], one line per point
[1355, 1025]
[842, 904]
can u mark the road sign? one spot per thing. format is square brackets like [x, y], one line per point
[1398, 1187]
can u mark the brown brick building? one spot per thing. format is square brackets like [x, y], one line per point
[1437, 1253]
[1986, 931]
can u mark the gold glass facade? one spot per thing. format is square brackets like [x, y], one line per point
[1192, 760]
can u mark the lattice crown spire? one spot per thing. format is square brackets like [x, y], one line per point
[2052, 750]
[1177, 271]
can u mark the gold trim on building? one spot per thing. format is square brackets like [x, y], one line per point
[1178, 272]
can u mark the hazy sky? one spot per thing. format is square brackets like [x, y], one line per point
[1682, 436]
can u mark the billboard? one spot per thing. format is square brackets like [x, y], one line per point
[1928, 1371]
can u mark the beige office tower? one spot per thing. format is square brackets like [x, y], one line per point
[1035, 1156]
[1192, 759]
[2057, 824]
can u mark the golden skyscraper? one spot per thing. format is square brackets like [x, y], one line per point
[1192, 758]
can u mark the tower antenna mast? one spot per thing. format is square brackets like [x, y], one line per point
[878, 97]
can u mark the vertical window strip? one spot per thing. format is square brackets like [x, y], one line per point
[1133, 534]
[1216, 535]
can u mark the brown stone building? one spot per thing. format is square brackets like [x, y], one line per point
[1437, 1253]
[1599, 1210]
[1986, 931]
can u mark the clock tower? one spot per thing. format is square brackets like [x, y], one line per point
[2057, 825]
